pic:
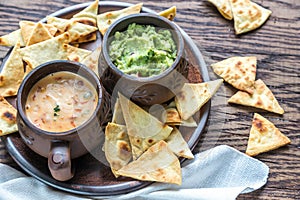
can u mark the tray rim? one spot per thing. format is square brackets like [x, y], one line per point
[121, 188]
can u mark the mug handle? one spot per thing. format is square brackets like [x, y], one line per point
[59, 161]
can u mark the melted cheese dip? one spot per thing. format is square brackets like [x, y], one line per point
[60, 102]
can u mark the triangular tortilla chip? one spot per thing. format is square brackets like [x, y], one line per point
[8, 115]
[38, 34]
[143, 129]
[88, 15]
[106, 19]
[12, 38]
[12, 73]
[92, 60]
[27, 27]
[264, 136]
[240, 72]
[248, 15]
[76, 30]
[223, 7]
[171, 116]
[178, 145]
[262, 98]
[170, 13]
[118, 114]
[76, 54]
[190, 122]
[117, 147]
[53, 49]
[194, 95]
[158, 163]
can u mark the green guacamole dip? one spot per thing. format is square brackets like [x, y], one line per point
[142, 50]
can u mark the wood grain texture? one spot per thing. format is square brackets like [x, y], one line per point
[277, 47]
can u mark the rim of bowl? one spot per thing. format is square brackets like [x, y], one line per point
[179, 45]
[42, 67]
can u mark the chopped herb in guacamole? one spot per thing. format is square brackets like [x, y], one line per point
[143, 50]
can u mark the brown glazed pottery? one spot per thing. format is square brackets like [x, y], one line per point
[144, 90]
[61, 147]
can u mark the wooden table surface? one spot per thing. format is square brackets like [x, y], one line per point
[277, 48]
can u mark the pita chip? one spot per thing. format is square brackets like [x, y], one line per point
[178, 145]
[88, 15]
[194, 95]
[12, 38]
[169, 13]
[106, 19]
[158, 163]
[143, 129]
[117, 114]
[264, 136]
[117, 147]
[8, 115]
[38, 34]
[240, 72]
[12, 73]
[262, 98]
[223, 7]
[248, 15]
[92, 60]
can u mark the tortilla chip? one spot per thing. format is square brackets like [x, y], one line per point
[248, 15]
[170, 13]
[262, 98]
[240, 72]
[27, 27]
[264, 136]
[194, 95]
[171, 116]
[88, 15]
[223, 7]
[106, 19]
[158, 163]
[76, 54]
[144, 130]
[12, 73]
[190, 122]
[178, 145]
[118, 114]
[117, 147]
[12, 38]
[77, 31]
[92, 60]
[38, 34]
[53, 49]
[8, 115]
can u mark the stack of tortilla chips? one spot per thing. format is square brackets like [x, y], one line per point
[146, 147]
[240, 72]
[246, 14]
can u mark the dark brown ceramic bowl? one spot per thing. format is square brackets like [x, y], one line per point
[144, 90]
[61, 147]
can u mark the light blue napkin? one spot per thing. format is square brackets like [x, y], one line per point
[219, 173]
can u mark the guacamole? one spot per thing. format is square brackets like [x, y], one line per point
[143, 50]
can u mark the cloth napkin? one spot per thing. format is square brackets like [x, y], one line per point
[219, 173]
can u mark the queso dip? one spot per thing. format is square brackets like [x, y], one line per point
[60, 102]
